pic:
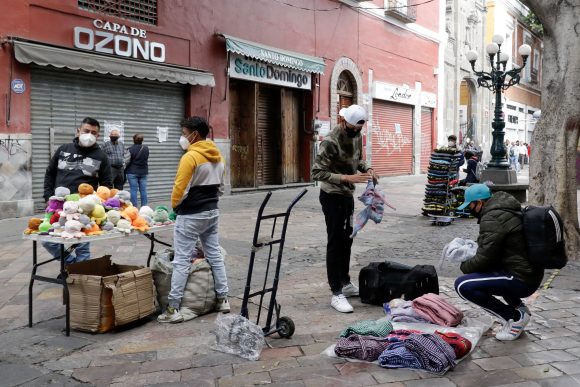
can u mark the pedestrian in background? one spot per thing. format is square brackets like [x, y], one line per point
[114, 150]
[522, 153]
[336, 165]
[138, 169]
[513, 157]
[500, 267]
[81, 161]
[198, 185]
[471, 169]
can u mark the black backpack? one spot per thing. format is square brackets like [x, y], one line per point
[544, 231]
[380, 282]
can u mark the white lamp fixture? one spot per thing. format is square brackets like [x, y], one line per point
[492, 48]
[525, 50]
[503, 57]
[471, 55]
[497, 39]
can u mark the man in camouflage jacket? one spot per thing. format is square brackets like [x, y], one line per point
[336, 165]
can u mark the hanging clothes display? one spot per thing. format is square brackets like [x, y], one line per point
[442, 176]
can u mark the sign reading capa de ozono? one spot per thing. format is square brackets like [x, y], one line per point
[118, 39]
[252, 70]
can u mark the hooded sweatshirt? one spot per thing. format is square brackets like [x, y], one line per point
[199, 180]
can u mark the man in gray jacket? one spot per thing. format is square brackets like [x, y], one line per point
[500, 267]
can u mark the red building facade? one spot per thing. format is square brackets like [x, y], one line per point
[270, 75]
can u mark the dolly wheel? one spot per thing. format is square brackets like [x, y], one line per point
[285, 327]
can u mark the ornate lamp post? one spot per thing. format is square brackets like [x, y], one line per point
[498, 80]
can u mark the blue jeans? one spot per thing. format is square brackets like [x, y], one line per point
[138, 182]
[187, 230]
[480, 288]
[81, 253]
[515, 163]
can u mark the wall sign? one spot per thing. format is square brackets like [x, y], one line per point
[252, 70]
[428, 99]
[395, 93]
[18, 86]
[118, 39]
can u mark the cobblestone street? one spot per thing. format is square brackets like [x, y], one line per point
[148, 353]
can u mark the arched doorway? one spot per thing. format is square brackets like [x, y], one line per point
[467, 111]
[346, 91]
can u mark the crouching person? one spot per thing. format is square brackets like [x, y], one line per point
[198, 185]
[500, 267]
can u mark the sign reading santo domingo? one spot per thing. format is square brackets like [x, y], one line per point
[252, 70]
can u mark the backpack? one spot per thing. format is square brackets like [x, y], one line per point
[512, 152]
[380, 282]
[544, 232]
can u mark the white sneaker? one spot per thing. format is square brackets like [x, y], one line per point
[222, 305]
[350, 290]
[513, 329]
[171, 316]
[340, 303]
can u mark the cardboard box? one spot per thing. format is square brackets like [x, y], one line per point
[104, 295]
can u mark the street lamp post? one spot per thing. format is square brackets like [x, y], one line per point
[498, 80]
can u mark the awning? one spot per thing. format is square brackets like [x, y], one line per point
[46, 55]
[290, 59]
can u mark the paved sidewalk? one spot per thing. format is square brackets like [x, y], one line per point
[148, 353]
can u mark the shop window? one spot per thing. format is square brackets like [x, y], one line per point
[144, 11]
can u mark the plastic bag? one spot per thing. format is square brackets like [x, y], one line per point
[239, 336]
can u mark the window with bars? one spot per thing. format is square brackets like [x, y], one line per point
[144, 11]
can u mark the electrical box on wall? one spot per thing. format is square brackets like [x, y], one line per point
[321, 127]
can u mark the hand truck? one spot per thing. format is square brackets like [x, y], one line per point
[284, 325]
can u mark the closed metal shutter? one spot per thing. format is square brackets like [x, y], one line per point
[268, 141]
[392, 138]
[426, 137]
[60, 99]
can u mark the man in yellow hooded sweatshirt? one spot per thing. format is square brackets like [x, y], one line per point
[198, 185]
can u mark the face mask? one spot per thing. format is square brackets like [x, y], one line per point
[451, 143]
[113, 138]
[87, 140]
[352, 133]
[184, 142]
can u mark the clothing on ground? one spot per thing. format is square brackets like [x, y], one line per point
[403, 313]
[460, 344]
[434, 308]
[380, 328]
[359, 347]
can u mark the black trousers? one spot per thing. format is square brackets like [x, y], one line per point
[118, 177]
[338, 210]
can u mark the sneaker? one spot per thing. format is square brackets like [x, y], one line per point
[222, 305]
[524, 309]
[350, 290]
[171, 316]
[513, 329]
[340, 303]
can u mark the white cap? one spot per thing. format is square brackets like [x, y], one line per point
[353, 114]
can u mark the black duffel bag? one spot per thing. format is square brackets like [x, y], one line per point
[380, 282]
